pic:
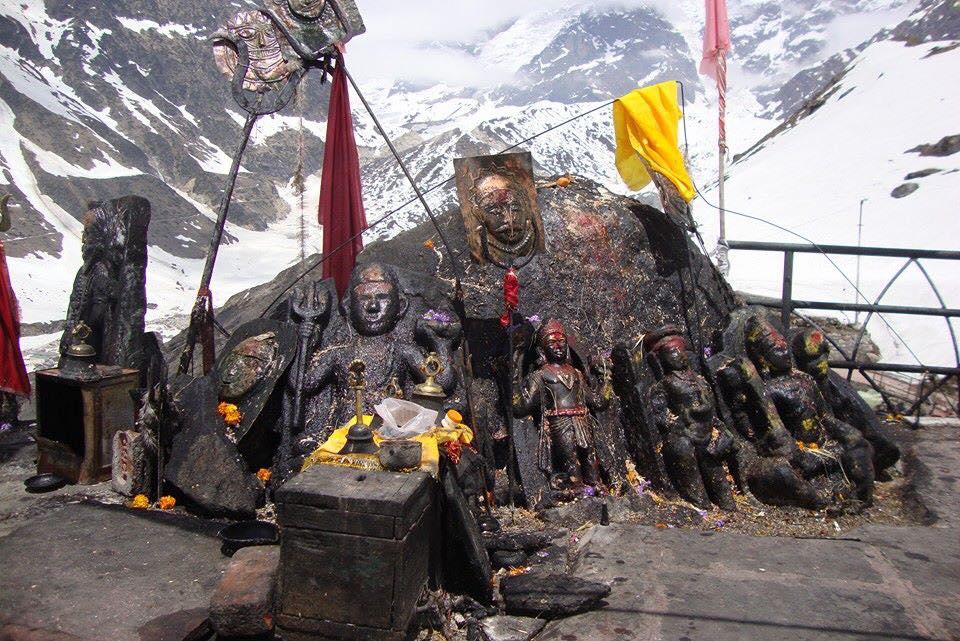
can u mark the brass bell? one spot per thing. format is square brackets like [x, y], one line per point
[79, 347]
[359, 436]
[431, 368]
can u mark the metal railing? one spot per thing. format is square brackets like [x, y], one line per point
[788, 307]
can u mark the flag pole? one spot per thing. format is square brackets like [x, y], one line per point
[723, 262]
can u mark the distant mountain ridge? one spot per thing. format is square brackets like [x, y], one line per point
[103, 100]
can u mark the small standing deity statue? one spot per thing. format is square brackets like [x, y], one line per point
[695, 441]
[560, 393]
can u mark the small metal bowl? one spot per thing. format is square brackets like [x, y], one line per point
[44, 483]
[398, 455]
[246, 534]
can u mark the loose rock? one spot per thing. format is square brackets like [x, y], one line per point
[204, 465]
[243, 604]
[552, 595]
[904, 190]
[508, 628]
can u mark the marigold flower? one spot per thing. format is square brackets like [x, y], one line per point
[264, 474]
[428, 243]
[166, 502]
[140, 502]
[231, 413]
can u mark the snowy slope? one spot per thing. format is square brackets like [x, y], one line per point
[811, 178]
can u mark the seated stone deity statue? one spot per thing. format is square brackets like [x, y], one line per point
[833, 444]
[812, 353]
[695, 441]
[768, 459]
[392, 347]
[560, 395]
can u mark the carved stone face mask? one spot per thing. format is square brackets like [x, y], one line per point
[504, 211]
[246, 365]
[267, 62]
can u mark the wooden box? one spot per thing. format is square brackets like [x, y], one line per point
[355, 550]
[76, 421]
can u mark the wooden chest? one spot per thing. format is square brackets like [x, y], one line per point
[355, 549]
[76, 421]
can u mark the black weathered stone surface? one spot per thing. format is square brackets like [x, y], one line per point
[203, 465]
[527, 541]
[508, 558]
[466, 561]
[109, 292]
[553, 595]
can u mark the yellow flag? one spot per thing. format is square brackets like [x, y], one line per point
[645, 128]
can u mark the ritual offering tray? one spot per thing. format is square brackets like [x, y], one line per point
[354, 552]
[247, 534]
[40, 483]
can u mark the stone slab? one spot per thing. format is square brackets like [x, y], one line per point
[674, 584]
[107, 572]
[509, 628]
[932, 462]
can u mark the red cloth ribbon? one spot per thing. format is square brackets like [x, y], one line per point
[511, 295]
[13, 372]
[341, 202]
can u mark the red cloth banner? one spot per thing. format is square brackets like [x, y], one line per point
[716, 37]
[341, 202]
[13, 373]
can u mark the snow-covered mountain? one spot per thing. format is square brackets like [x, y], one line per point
[882, 135]
[102, 100]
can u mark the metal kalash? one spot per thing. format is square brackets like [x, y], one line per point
[266, 52]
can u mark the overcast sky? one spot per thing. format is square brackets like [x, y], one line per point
[411, 40]
[415, 40]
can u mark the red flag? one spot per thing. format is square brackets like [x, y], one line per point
[716, 37]
[13, 373]
[341, 202]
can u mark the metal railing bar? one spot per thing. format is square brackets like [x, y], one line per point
[848, 250]
[945, 312]
[897, 367]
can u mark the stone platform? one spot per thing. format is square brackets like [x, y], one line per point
[877, 582]
[87, 571]
[97, 572]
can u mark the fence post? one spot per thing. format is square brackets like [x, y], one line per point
[786, 297]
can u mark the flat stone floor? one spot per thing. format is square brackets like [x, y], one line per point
[104, 572]
[875, 583]
[73, 568]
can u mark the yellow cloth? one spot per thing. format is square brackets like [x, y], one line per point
[645, 128]
[430, 442]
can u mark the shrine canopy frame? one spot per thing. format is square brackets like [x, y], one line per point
[788, 306]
